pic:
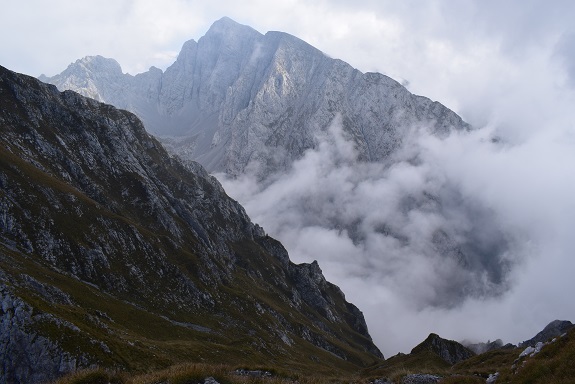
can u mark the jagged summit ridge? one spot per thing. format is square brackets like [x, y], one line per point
[553, 329]
[448, 350]
[88, 72]
[240, 97]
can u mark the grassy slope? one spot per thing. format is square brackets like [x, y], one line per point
[139, 338]
[554, 365]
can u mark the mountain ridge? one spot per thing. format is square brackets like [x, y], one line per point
[240, 97]
[93, 210]
[260, 108]
[54, 187]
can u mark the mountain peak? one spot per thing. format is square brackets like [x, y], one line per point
[98, 63]
[227, 26]
[553, 329]
[242, 97]
[448, 350]
[226, 21]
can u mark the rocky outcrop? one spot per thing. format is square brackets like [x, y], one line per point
[98, 224]
[27, 355]
[420, 378]
[553, 329]
[448, 350]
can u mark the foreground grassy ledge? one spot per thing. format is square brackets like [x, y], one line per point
[554, 365]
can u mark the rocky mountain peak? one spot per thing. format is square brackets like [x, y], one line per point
[237, 97]
[246, 104]
[93, 67]
[450, 351]
[97, 64]
[226, 26]
[553, 329]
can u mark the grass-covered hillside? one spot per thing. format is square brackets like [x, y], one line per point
[115, 255]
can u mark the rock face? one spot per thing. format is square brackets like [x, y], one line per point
[28, 357]
[450, 351]
[114, 253]
[553, 329]
[419, 378]
[237, 98]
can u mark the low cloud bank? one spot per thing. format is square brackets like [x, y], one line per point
[461, 236]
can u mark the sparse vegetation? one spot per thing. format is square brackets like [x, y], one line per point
[94, 376]
[198, 373]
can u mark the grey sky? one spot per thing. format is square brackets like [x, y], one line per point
[505, 66]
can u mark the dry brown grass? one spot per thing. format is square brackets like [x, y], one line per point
[196, 374]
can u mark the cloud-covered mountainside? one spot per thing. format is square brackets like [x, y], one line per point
[116, 254]
[325, 152]
[393, 193]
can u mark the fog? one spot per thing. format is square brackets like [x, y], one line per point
[467, 236]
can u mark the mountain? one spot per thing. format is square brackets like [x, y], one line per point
[552, 362]
[258, 106]
[438, 360]
[448, 350]
[428, 362]
[115, 254]
[553, 329]
[237, 98]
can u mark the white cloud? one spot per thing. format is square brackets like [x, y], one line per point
[508, 204]
[390, 228]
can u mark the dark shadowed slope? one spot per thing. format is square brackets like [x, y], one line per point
[113, 253]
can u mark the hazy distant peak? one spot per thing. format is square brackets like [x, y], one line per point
[227, 26]
[187, 49]
[286, 40]
[153, 68]
[98, 63]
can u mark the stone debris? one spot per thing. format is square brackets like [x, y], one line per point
[420, 378]
[492, 377]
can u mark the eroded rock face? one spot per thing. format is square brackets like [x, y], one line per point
[29, 357]
[237, 97]
[89, 202]
[553, 329]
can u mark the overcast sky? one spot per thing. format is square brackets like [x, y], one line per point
[507, 67]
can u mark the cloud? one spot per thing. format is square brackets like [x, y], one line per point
[416, 234]
[471, 240]
[41, 38]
